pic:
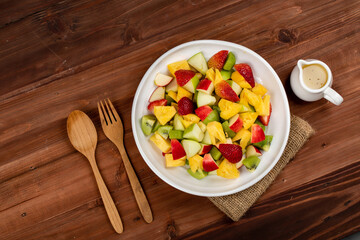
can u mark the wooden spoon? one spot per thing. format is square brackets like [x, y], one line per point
[83, 137]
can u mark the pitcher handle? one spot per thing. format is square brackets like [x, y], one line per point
[332, 96]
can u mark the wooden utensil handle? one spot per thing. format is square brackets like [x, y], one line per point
[109, 204]
[140, 197]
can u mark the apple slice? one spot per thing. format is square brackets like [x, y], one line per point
[223, 90]
[203, 111]
[245, 71]
[161, 102]
[252, 151]
[194, 132]
[257, 134]
[162, 80]
[192, 84]
[191, 147]
[265, 119]
[209, 164]
[213, 116]
[206, 139]
[235, 123]
[172, 86]
[198, 62]
[205, 86]
[204, 149]
[205, 99]
[234, 86]
[187, 79]
[158, 94]
[177, 149]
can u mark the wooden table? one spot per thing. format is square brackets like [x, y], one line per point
[58, 56]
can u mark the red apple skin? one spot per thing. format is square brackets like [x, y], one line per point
[209, 164]
[257, 134]
[177, 149]
[161, 102]
[252, 151]
[237, 125]
[205, 149]
[153, 96]
[265, 119]
[205, 86]
[203, 111]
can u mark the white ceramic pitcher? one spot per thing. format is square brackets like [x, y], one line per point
[307, 94]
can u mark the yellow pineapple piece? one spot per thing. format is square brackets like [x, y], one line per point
[182, 92]
[244, 136]
[195, 162]
[218, 77]
[252, 98]
[163, 144]
[164, 113]
[259, 89]
[170, 162]
[240, 80]
[173, 67]
[189, 119]
[175, 105]
[216, 133]
[202, 126]
[266, 101]
[210, 74]
[228, 170]
[173, 95]
[228, 108]
[244, 101]
[248, 119]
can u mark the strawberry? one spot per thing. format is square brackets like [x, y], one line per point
[257, 134]
[203, 111]
[245, 71]
[223, 90]
[218, 59]
[265, 119]
[177, 149]
[232, 152]
[183, 76]
[186, 106]
[161, 102]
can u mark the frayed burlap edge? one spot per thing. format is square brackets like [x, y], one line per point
[235, 205]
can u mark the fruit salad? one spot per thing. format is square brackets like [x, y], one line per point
[209, 116]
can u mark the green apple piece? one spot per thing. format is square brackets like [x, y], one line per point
[215, 153]
[260, 124]
[164, 131]
[264, 145]
[177, 123]
[195, 96]
[156, 126]
[227, 129]
[169, 99]
[230, 61]
[192, 84]
[191, 147]
[199, 174]
[216, 108]
[251, 163]
[147, 123]
[213, 116]
[199, 75]
[176, 134]
[194, 132]
[237, 89]
[172, 86]
[199, 63]
[225, 74]
[206, 139]
[205, 99]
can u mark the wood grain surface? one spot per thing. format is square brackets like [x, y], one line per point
[58, 56]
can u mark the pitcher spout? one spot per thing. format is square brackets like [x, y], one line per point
[301, 63]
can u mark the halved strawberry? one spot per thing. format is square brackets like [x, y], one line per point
[265, 119]
[186, 106]
[208, 163]
[245, 71]
[218, 59]
[177, 149]
[232, 152]
[161, 102]
[223, 90]
[203, 111]
[183, 76]
[257, 134]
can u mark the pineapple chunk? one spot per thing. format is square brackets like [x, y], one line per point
[173, 95]
[218, 77]
[244, 136]
[189, 119]
[195, 162]
[259, 89]
[164, 113]
[173, 67]
[160, 142]
[248, 119]
[175, 105]
[243, 100]
[240, 80]
[253, 99]
[228, 170]
[202, 126]
[210, 74]
[182, 92]
[266, 101]
[170, 162]
[228, 108]
[216, 132]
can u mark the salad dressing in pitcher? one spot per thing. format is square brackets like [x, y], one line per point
[314, 76]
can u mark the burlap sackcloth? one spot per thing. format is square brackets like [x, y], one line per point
[235, 205]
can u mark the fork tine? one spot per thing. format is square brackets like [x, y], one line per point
[102, 118]
[111, 116]
[106, 115]
[114, 110]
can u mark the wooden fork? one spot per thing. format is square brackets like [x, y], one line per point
[113, 129]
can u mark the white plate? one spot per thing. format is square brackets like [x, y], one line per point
[213, 185]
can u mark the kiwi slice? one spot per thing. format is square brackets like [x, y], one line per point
[251, 163]
[164, 131]
[147, 123]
